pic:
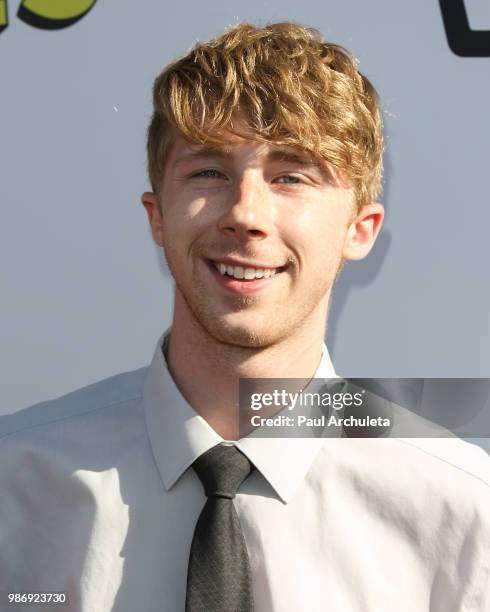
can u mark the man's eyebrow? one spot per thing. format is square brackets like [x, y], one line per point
[204, 151]
[293, 157]
[285, 155]
[301, 158]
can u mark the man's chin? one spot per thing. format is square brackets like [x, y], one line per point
[243, 335]
[240, 327]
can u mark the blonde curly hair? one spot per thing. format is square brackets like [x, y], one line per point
[292, 87]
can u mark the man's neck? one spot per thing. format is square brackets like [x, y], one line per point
[207, 371]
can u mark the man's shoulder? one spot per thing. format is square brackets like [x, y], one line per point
[435, 450]
[109, 392]
[428, 474]
[452, 455]
[447, 479]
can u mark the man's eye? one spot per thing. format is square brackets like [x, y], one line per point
[211, 173]
[293, 181]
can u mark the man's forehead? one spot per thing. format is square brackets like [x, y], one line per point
[186, 150]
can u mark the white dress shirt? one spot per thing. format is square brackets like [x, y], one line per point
[97, 499]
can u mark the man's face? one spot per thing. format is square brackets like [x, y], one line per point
[251, 205]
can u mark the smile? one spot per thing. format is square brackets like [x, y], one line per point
[241, 272]
[244, 280]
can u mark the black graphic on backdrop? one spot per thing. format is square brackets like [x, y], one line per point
[461, 38]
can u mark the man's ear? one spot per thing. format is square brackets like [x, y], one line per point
[155, 219]
[363, 231]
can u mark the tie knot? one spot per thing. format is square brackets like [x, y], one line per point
[222, 469]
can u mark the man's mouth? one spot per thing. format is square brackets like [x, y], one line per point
[246, 273]
[244, 279]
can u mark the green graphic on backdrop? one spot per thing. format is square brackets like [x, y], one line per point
[47, 14]
[4, 20]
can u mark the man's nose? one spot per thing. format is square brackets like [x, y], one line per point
[248, 210]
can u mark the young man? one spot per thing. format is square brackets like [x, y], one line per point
[138, 493]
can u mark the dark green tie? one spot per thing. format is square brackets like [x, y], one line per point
[218, 576]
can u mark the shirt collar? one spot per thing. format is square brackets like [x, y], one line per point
[178, 435]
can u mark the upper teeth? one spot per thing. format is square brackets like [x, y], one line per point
[247, 273]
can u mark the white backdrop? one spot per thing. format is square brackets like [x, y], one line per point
[85, 293]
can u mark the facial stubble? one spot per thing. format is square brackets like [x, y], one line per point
[278, 323]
